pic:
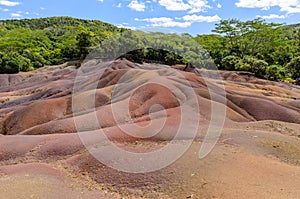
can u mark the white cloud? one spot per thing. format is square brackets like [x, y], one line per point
[219, 6]
[9, 3]
[165, 22]
[5, 10]
[15, 15]
[266, 3]
[200, 18]
[266, 8]
[288, 6]
[125, 25]
[27, 13]
[193, 6]
[291, 9]
[119, 5]
[271, 16]
[174, 24]
[181, 22]
[101, 1]
[135, 5]
[198, 6]
[174, 5]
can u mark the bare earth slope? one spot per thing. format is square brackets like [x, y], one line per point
[42, 155]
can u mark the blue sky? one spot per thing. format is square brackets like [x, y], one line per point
[192, 16]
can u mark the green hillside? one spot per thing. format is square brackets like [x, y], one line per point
[32, 43]
[267, 50]
[295, 26]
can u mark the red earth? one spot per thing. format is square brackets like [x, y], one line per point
[47, 126]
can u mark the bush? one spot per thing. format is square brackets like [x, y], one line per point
[290, 80]
[13, 62]
[251, 64]
[24, 63]
[293, 68]
[35, 57]
[275, 72]
[259, 67]
[229, 62]
[242, 65]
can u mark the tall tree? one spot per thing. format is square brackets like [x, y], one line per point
[84, 42]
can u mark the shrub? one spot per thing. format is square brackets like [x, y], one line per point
[13, 62]
[35, 57]
[229, 62]
[251, 64]
[293, 68]
[275, 72]
[242, 65]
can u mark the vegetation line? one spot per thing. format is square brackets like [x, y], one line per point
[266, 50]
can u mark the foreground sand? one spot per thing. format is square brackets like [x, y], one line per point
[42, 156]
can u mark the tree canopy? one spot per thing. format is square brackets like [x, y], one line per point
[32, 43]
[267, 50]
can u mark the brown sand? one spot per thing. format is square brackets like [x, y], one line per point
[42, 156]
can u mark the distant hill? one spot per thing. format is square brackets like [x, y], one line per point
[56, 22]
[27, 44]
[296, 26]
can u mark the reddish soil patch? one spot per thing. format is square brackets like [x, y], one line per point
[140, 108]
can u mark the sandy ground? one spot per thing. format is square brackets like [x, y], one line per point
[43, 156]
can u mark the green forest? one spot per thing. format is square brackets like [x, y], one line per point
[266, 50]
[28, 44]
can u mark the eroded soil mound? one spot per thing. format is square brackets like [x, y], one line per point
[140, 108]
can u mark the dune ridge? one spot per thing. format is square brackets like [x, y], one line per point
[260, 135]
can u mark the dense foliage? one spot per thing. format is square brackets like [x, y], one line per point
[32, 43]
[152, 55]
[265, 49]
[154, 47]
